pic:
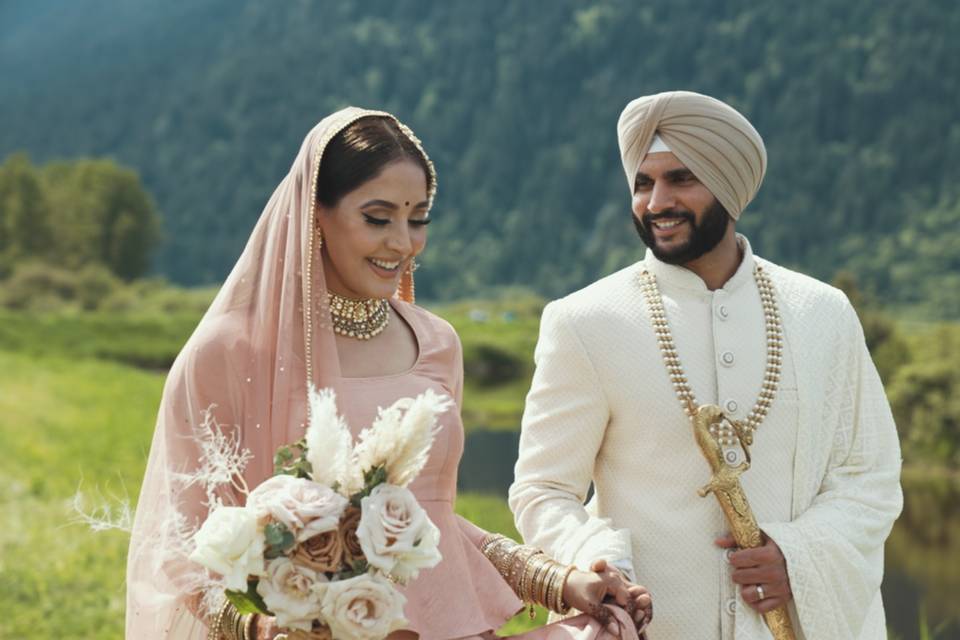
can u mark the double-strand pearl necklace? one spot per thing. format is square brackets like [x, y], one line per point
[361, 319]
[726, 432]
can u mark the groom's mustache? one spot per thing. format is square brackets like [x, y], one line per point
[668, 214]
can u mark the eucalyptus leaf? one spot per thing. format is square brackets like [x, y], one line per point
[249, 601]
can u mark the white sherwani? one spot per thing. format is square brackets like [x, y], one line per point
[824, 483]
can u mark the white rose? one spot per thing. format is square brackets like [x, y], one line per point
[396, 534]
[292, 592]
[230, 543]
[367, 607]
[304, 507]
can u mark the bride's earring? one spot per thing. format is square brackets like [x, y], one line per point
[407, 291]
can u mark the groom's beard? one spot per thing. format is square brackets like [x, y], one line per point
[702, 238]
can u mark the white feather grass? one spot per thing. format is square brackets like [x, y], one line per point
[330, 445]
[113, 513]
[222, 460]
[401, 436]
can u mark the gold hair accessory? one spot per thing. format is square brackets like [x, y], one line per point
[361, 319]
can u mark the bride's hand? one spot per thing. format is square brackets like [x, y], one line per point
[584, 591]
[633, 598]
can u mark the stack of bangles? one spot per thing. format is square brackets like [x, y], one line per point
[229, 624]
[532, 575]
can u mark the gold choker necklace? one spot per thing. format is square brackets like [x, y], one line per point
[361, 319]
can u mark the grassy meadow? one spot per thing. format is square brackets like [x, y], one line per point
[78, 398]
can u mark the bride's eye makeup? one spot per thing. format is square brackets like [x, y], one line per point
[375, 220]
[381, 222]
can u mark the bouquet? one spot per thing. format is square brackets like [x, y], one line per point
[322, 543]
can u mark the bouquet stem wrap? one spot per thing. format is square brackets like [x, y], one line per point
[725, 485]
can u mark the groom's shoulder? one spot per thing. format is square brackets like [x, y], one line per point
[603, 298]
[803, 294]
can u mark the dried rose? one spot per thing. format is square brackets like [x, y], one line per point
[322, 552]
[348, 531]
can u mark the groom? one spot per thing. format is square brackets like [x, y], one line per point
[702, 320]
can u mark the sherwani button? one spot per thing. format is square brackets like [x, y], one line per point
[727, 553]
[722, 312]
[732, 606]
[726, 358]
[731, 405]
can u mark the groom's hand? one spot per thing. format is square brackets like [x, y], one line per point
[633, 598]
[763, 567]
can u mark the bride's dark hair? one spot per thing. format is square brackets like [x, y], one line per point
[360, 152]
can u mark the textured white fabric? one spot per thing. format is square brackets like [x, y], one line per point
[657, 145]
[825, 477]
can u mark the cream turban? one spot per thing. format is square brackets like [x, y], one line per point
[709, 137]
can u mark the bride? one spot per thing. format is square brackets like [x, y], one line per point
[323, 293]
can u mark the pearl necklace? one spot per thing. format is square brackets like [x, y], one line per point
[726, 432]
[361, 319]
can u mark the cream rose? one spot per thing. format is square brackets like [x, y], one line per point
[318, 633]
[396, 534]
[231, 543]
[367, 607]
[293, 593]
[304, 507]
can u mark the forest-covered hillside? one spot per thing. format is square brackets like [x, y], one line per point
[517, 103]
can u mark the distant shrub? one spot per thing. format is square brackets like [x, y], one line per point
[37, 286]
[95, 284]
[120, 300]
[33, 285]
[488, 365]
[925, 398]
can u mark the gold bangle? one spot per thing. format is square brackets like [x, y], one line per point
[234, 624]
[499, 552]
[230, 631]
[526, 576]
[490, 540]
[528, 554]
[506, 557]
[214, 632]
[562, 607]
[512, 566]
[543, 597]
[555, 578]
[542, 563]
[249, 632]
[526, 581]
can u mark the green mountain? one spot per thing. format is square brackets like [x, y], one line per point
[517, 103]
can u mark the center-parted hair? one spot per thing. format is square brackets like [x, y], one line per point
[360, 152]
